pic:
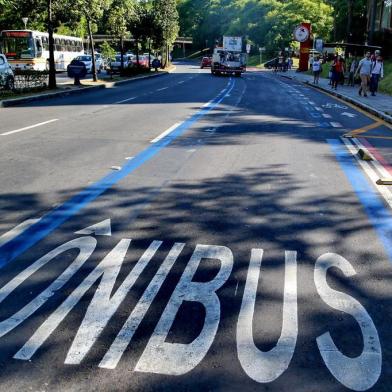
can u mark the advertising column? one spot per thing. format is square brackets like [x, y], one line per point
[302, 34]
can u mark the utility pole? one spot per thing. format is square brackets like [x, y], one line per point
[94, 70]
[52, 67]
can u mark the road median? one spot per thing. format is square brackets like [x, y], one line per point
[67, 91]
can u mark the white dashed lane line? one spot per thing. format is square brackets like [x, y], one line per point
[165, 133]
[126, 100]
[29, 127]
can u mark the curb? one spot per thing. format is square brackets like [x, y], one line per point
[18, 101]
[361, 105]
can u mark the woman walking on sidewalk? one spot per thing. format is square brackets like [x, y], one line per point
[364, 71]
[337, 71]
[317, 68]
[377, 74]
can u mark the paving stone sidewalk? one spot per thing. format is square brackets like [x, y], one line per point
[381, 102]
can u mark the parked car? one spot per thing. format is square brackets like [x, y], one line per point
[87, 61]
[143, 61]
[206, 62]
[6, 74]
[115, 64]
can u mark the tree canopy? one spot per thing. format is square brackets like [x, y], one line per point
[266, 23]
[270, 23]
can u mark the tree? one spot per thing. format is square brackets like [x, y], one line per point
[107, 51]
[92, 11]
[121, 12]
[167, 19]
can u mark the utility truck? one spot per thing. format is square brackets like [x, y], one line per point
[230, 58]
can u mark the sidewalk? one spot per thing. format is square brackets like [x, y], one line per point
[380, 105]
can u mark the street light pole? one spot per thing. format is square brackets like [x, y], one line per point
[25, 20]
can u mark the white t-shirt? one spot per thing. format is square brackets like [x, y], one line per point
[378, 68]
[316, 66]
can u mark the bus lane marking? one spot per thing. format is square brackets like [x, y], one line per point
[17, 230]
[163, 357]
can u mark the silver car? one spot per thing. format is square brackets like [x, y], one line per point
[6, 74]
[115, 64]
[88, 62]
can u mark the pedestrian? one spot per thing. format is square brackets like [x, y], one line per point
[377, 74]
[276, 64]
[375, 55]
[337, 71]
[281, 61]
[156, 64]
[290, 63]
[352, 69]
[317, 68]
[364, 70]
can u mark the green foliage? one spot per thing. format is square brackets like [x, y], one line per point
[120, 13]
[166, 16]
[268, 23]
[386, 83]
[107, 51]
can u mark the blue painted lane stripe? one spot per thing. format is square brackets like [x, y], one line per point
[379, 215]
[59, 215]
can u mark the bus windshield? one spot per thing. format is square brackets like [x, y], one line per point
[18, 45]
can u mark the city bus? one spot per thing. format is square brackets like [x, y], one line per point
[27, 49]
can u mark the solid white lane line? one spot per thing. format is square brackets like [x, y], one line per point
[29, 127]
[165, 133]
[10, 235]
[319, 109]
[326, 115]
[312, 103]
[163, 88]
[125, 100]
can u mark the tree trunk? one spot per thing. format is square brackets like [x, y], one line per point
[90, 35]
[52, 66]
[373, 12]
[137, 53]
[122, 54]
[149, 53]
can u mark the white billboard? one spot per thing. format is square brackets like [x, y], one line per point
[232, 44]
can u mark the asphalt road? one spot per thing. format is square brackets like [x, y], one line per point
[192, 232]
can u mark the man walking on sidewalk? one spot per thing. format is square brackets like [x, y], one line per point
[364, 70]
[377, 73]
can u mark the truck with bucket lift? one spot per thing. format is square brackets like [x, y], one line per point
[230, 58]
